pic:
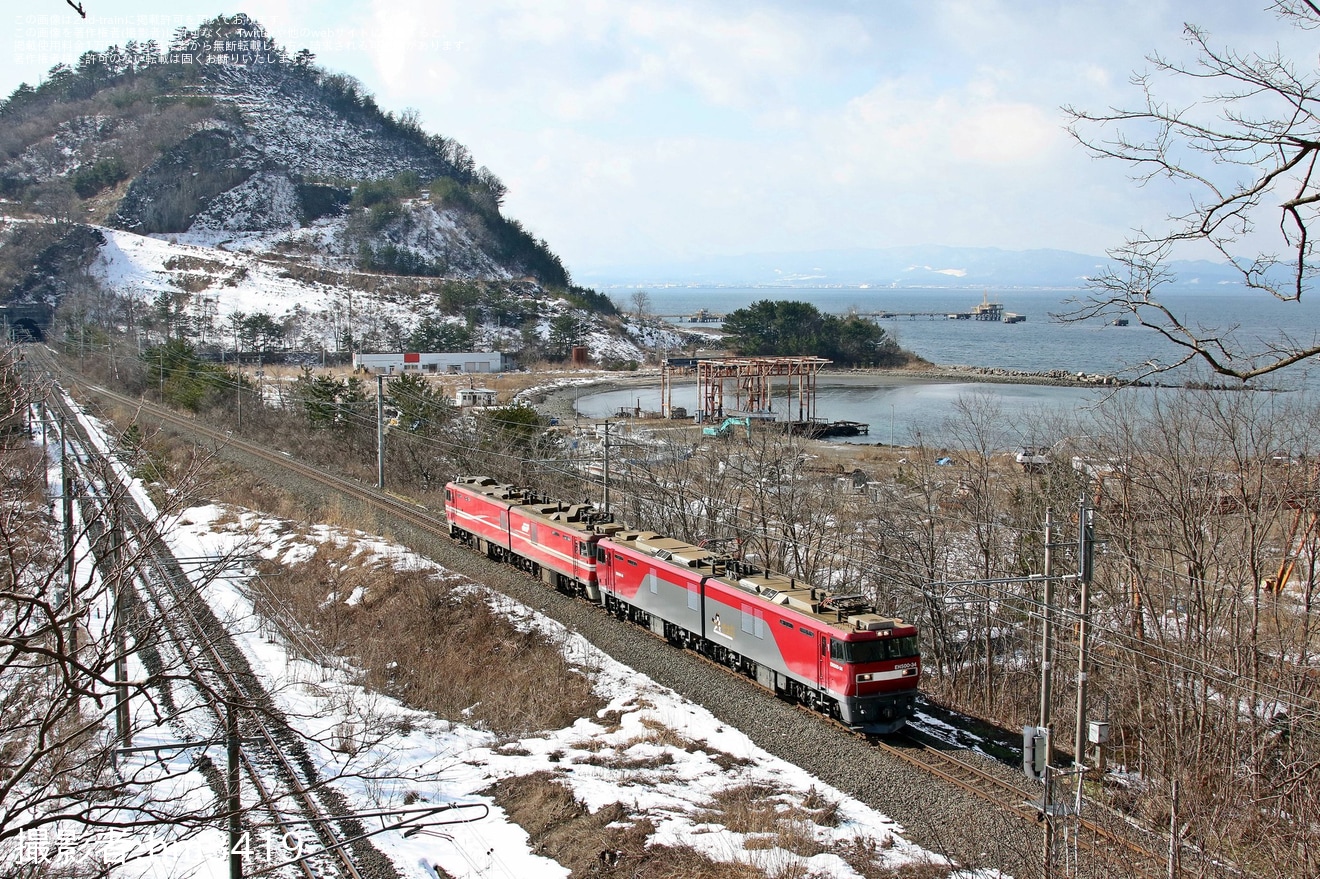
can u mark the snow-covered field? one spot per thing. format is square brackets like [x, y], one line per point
[141, 266]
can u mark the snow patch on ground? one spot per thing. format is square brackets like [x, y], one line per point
[143, 267]
[449, 763]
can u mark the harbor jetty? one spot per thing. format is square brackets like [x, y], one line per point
[984, 311]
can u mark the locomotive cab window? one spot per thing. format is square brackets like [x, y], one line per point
[867, 651]
[874, 651]
[903, 648]
[449, 494]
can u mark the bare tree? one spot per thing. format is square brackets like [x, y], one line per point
[109, 706]
[641, 303]
[1202, 666]
[82, 669]
[1246, 157]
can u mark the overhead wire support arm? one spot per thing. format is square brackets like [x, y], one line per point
[997, 581]
[951, 586]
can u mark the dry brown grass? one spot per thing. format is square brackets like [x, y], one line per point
[236, 486]
[865, 855]
[747, 808]
[653, 733]
[725, 760]
[336, 515]
[795, 835]
[193, 283]
[662, 734]
[564, 830]
[824, 810]
[774, 819]
[432, 646]
[623, 762]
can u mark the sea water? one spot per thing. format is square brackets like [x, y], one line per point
[907, 411]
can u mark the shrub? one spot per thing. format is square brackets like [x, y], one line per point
[88, 181]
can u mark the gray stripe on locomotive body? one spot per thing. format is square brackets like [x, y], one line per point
[669, 602]
[764, 650]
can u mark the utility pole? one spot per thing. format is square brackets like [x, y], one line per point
[123, 724]
[1175, 846]
[233, 800]
[1085, 541]
[66, 510]
[380, 430]
[605, 501]
[1037, 741]
[1047, 625]
[1046, 674]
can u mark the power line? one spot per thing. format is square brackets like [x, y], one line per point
[834, 546]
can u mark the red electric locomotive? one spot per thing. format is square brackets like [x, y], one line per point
[830, 651]
[548, 539]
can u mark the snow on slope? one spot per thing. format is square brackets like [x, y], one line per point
[144, 267]
[408, 756]
[295, 129]
[447, 762]
[238, 278]
[266, 201]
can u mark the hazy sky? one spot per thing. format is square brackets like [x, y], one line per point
[636, 132]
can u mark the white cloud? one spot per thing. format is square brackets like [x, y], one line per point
[654, 127]
[661, 128]
[1005, 134]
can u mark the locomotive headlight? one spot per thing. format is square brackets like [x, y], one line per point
[869, 676]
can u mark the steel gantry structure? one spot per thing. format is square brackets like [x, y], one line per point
[753, 381]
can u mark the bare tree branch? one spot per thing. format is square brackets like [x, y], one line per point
[1249, 149]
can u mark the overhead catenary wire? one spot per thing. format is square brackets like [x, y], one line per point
[1120, 640]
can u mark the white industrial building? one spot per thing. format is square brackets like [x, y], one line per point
[433, 363]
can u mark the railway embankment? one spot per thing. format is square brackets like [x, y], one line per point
[934, 814]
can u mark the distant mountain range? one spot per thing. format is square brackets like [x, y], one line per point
[923, 266]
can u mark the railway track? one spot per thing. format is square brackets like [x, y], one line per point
[1106, 846]
[314, 841]
[1112, 848]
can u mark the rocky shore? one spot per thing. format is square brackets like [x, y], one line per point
[1053, 377]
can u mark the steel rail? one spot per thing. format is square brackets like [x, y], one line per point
[1097, 840]
[1101, 840]
[162, 561]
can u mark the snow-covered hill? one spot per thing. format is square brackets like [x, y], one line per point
[215, 283]
[232, 186]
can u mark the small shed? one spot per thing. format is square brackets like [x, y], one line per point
[468, 397]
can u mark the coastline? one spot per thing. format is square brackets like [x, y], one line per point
[557, 400]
